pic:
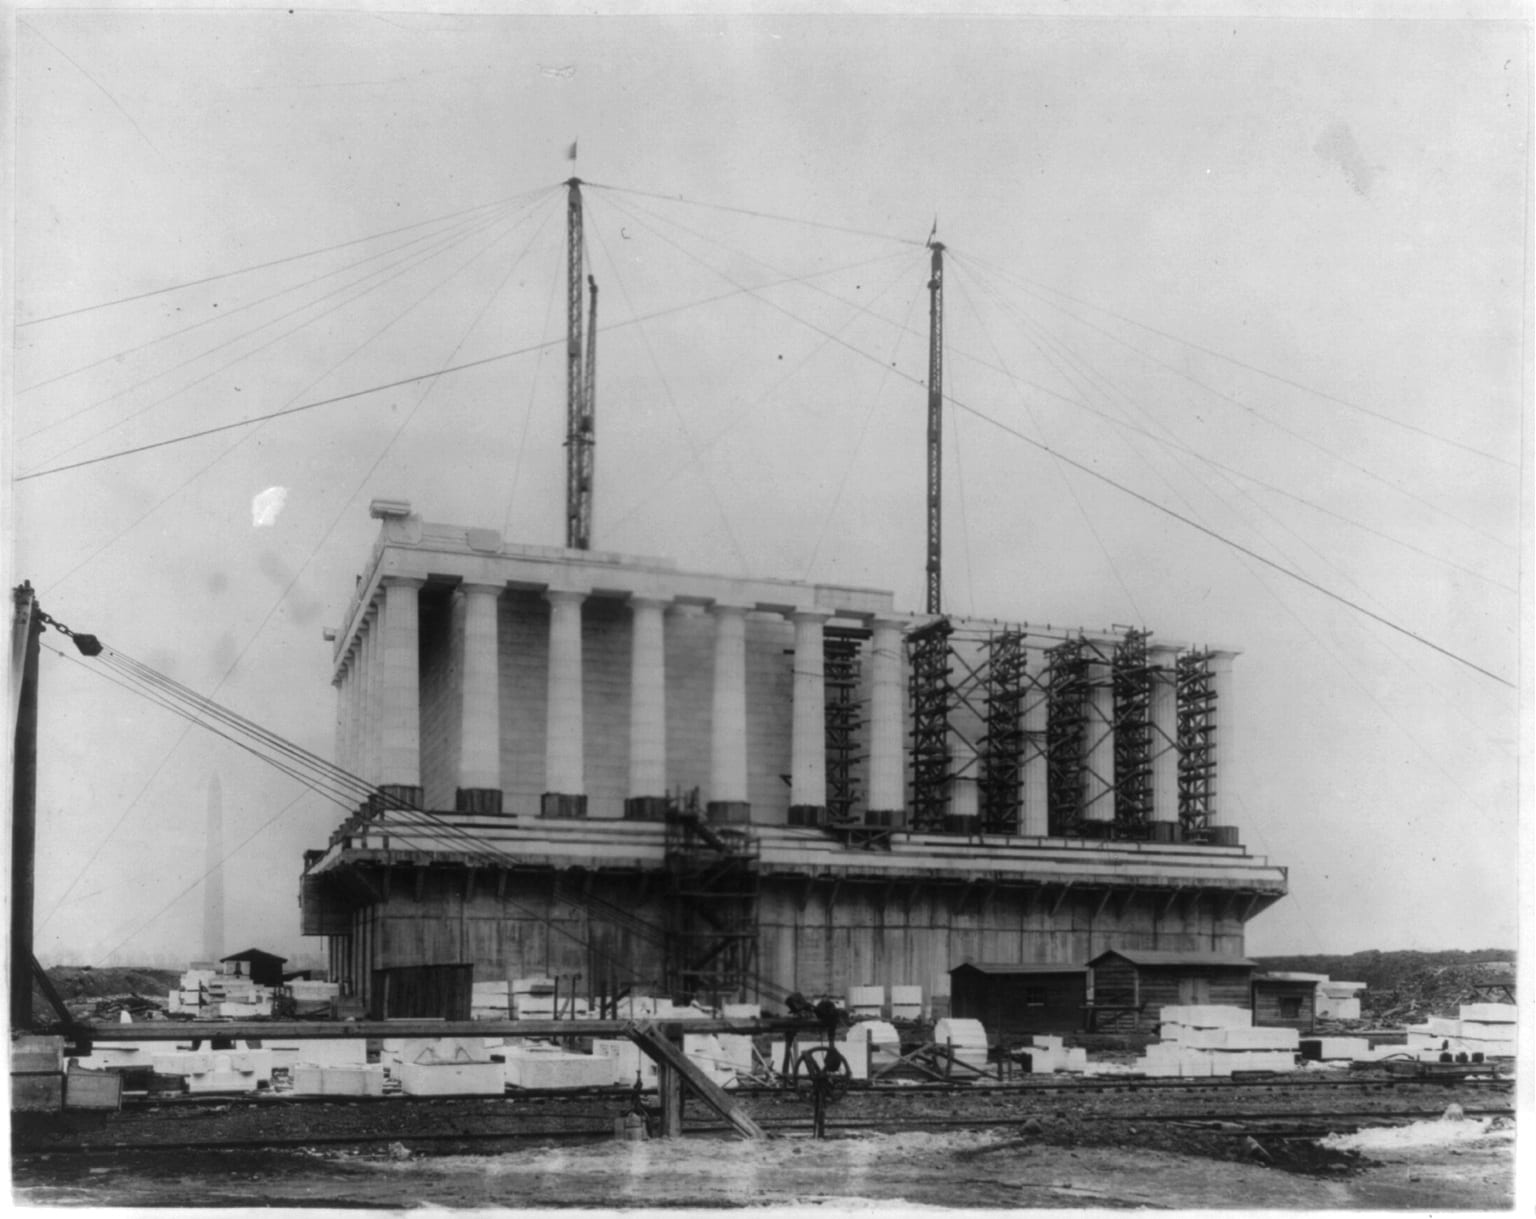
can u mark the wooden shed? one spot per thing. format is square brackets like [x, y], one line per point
[1286, 1000]
[437, 992]
[262, 968]
[1131, 986]
[1013, 1000]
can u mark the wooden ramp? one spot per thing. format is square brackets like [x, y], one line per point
[654, 1044]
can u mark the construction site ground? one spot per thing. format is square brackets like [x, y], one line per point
[1254, 1145]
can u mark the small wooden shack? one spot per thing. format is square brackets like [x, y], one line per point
[1013, 1000]
[436, 992]
[1286, 1000]
[262, 968]
[1131, 986]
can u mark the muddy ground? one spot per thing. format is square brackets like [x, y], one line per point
[950, 1169]
[1179, 1148]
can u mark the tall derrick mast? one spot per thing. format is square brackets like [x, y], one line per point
[579, 431]
[935, 422]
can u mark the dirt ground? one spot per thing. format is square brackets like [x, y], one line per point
[963, 1168]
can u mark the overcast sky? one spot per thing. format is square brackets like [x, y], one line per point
[1267, 275]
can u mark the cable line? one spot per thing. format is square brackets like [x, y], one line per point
[276, 262]
[224, 315]
[389, 274]
[1147, 500]
[1238, 546]
[746, 211]
[1280, 427]
[1263, 372]
[374, 389]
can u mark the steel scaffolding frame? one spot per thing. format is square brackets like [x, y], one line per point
[710, 946]
[1196, 727]
[932, 698]
[1003, 744]
[842, 652]
[1066, 733]
[1133, 736]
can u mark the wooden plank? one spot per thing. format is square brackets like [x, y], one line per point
[245, 1030]
[658, 1047]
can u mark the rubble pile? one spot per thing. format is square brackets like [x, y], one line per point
[1434, 991]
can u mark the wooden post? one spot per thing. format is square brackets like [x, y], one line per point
[670, 1086]
[25, 629]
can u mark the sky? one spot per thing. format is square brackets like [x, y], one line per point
[1237, 318]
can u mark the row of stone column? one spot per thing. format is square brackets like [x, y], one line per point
[1099, 743]
[379, 706]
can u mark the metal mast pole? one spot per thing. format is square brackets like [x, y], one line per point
[26, 626]
[586, 435]
[575, 535]
[935, 422]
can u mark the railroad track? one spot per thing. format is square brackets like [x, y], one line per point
[1234, 1125]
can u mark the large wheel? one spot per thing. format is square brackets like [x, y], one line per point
[824, 1065]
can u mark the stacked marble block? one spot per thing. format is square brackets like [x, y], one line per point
[875, 1042]
[547, 1066]
[443, 1066]
[491, 1001]
[329, 1067]
[906, 1003]
[866, 1002]
[218, 1070]
[1048, 1055]
[1480, 1028]
[533, 999]
[1210, 1039]
[625, 1062]
[965, 1039]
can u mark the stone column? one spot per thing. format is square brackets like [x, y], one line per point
[887, 763]
[808, 723]
[647, 711]
[1165, 742]
[964, 815]
[1099, 750]
[1223, 750]
[564, 752]
[367, 727]
[479, 778]
[400, 673]
[1035, 821]
[372, 687]
[728, 720]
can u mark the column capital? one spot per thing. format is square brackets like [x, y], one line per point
[648, 601]
[470, 586]
[729, 607]
[392, 581]
[810, 614]
[564, 596]
[882, 622]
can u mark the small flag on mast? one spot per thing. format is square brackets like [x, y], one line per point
[571, 156]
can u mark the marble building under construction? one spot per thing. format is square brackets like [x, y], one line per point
[608, 770]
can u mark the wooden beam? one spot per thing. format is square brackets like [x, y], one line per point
[501, 883]
[964, 894]
[1061, 896]
[1168, 905]
[1103, 901]
[805, 894]
[1125, 902]
[912, 893]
